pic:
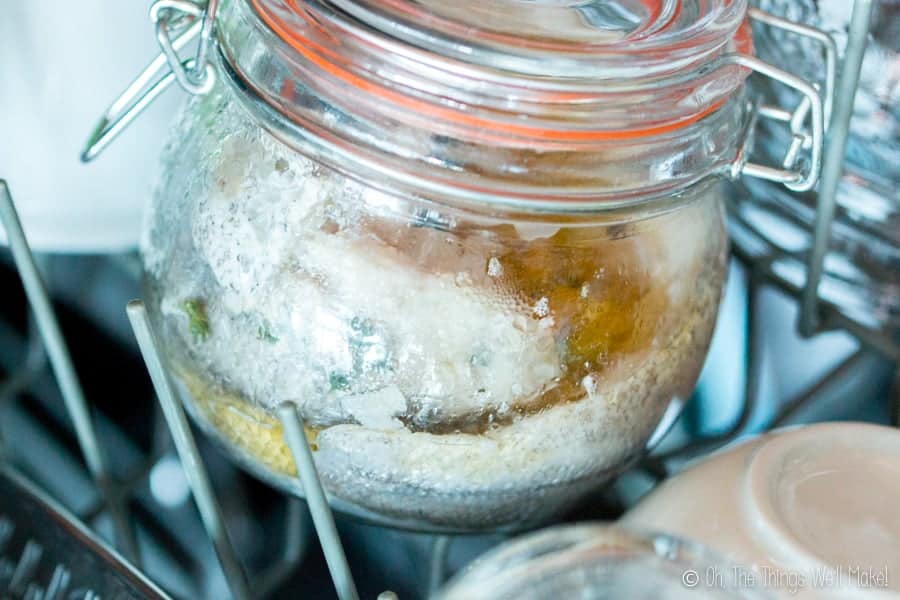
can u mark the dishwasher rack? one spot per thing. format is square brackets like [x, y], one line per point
[815, 316]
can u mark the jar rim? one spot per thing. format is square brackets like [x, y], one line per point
[558, 551]
[600, 149]
[630, 89]
[600, 43]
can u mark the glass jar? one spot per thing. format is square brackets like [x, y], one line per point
[598, 562]
[481, 248]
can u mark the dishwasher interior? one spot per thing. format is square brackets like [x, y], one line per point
[91, 435]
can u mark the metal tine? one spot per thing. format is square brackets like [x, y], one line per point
[322, 518]
[67, 379]
[31, 366]
[7, 528]
[792, 407]
[137, 96]
[127, 484]
[59, 583]
[191, 462]
[440, 548]
[291, 554]
[834, 319]
[801, 219]
[833, 162]
[19, 379]
[25, 568]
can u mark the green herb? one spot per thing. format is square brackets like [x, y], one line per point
[338, 380]
[265, 335]
[198, 322]
[364, 326]
[480, 359]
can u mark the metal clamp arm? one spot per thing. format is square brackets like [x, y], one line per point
[177, 22]
[815, 107]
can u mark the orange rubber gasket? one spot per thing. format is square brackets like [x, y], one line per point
[652, 5]
[315, 53]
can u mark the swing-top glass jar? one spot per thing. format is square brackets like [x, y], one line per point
[480, 245]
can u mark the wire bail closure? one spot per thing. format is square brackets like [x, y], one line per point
[177, 23]
[199, 77]
[813, 107]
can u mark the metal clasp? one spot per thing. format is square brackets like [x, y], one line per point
[177, 22]
[812, 108]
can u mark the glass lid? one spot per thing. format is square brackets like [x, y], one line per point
[560, 38]
[415, 92]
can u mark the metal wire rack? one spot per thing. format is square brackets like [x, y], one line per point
[47, 343]
[816, 315]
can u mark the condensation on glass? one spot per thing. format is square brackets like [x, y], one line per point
[480, 246]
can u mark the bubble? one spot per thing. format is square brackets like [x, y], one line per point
[463, 279]
[590, 384]
[495, 269]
